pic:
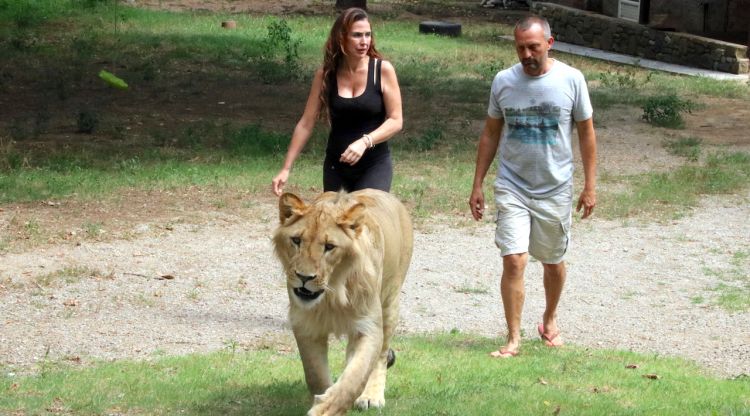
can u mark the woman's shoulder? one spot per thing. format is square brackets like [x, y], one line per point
[387, 67]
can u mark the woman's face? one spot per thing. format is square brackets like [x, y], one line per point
[357, 40]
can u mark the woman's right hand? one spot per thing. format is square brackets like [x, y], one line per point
[277, 185]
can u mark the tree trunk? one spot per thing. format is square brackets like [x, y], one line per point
[345, 4]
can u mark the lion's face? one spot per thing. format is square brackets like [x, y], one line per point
[312, 242]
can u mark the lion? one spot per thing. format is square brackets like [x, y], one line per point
[345, 256]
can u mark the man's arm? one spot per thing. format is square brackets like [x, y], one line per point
[486, 150]
[587, 140]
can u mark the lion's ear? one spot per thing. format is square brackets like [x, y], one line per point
[353, 218]
[289, 205]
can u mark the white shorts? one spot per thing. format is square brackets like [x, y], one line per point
[540, 227]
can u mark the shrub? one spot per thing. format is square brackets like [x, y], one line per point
[666, 110]
[279, 41]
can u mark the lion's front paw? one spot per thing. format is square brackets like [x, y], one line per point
[323, 405]
[365, 402]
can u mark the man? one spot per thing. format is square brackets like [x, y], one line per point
[534, 105]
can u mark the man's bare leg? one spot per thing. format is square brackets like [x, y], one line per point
[513, 293]
[554, 280]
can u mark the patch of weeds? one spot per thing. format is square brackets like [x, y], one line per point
[67, 275]
[279, 59]
[87, 121]
[666, 110]
[489, 68]
[734, 290]
[144, 300]
[93, 229]
[469, 290]
[697, 300]
[149, 70]
[132, 164]
[739, 258]
[231, 345]
[622, 80]
[620, 87]
[193, 294]
[31, 229]
[733, 298]
[425, 141]
[630, 294]
[10, 158]
[687, 147]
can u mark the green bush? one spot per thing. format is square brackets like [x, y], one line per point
[666, 110]
[279, 60]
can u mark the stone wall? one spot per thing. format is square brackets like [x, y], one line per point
[616, 35]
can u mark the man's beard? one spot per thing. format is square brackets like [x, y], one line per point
[531, 63]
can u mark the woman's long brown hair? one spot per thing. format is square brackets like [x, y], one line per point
[334, 50]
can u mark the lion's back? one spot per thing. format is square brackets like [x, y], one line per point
[393, 219]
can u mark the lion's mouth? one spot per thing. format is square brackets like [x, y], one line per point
[305, 294]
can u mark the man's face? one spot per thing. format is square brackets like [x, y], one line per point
[532, 48]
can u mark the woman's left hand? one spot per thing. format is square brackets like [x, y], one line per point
[354, 152]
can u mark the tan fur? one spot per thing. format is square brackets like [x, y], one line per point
[352, 250]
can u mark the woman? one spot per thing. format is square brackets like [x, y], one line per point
[359, 93]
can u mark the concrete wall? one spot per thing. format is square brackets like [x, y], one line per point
[616, 35]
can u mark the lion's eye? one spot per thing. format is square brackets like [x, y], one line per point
[329, 246]
[296, 241]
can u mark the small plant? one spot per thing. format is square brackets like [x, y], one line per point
[10, 158]
[87, 121]
[279, 41]
[427, 140]
[619, 80]
[687, 147]
[93, 229]
[666, 110]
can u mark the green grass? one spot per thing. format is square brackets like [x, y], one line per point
[671, 194]
[733, 291]
[447, 374]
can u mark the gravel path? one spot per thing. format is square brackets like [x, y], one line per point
[196, 288]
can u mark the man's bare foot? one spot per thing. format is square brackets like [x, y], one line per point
[503, 353]
[550, 340]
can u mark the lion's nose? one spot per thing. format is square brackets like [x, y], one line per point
[304, 278]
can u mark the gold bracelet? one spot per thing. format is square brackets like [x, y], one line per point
[369, 141]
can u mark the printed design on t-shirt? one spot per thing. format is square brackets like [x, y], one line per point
[533, 125]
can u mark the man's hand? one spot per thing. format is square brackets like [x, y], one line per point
[587, 201]
[476, 203]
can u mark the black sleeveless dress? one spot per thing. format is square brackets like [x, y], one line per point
[350, 119]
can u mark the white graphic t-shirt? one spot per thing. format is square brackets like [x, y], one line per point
[536, 156]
